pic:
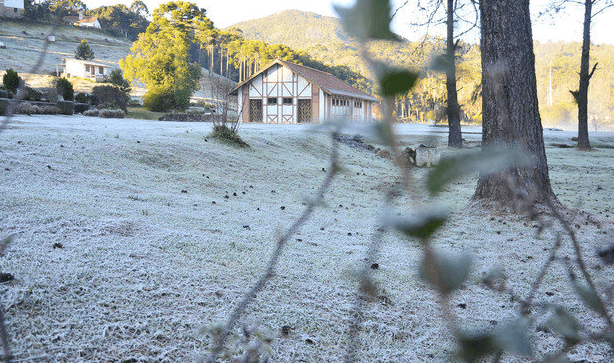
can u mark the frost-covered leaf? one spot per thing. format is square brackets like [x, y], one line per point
[441, 63]
[590, 298]
[486, 162]
[367, 19]
[476, 346]
[422, 226]
[513, 338]
[383, 132]
[565, 324]
[396, 81]
[446, 273]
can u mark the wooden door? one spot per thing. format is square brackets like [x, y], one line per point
[304, 111]
[255, 110]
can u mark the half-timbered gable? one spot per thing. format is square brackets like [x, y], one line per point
[284, 92]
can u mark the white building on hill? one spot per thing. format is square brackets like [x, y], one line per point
[284, 92]
[71, 67]
[11, 8]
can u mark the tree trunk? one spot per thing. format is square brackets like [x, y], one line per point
[455, 138]
[582, 97]
[510, 106]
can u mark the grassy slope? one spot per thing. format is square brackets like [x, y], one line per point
[24, 43]
[148, 258]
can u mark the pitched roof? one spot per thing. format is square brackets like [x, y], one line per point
[87, 20]
[88, 62]
[329, 83]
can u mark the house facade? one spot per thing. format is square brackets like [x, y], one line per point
[11, 8]
[81, 20]
[83, 68]
[284, 92]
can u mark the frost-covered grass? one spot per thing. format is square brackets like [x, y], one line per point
[163, 231]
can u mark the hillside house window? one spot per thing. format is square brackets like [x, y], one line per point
[287, 101]
[87, 67]
[272, 100]
[357, 104]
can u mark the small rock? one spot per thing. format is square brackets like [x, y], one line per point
[6, 277]
[184, 191]
[282, 207]
[374, 266]
[462, 306]
[58, 245]
[285, 330]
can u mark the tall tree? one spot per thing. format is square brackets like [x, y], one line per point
[160, 56]
[509, 103]
[455, 138]
[585, 76]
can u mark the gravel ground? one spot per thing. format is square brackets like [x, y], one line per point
[130, 236]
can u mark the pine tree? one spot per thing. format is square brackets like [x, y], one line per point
[84, 51]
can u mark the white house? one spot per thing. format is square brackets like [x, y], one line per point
[11, 8]
[83, 68]
[284, 92]
[81, 20]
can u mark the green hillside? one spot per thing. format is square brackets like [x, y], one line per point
[296, 29]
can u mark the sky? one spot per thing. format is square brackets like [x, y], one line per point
[223, 13]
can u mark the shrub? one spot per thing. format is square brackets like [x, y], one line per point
[134, 103]
[117, 79]
[65, 89]
[81, 107]
[227, 135]
[82, 98]
[159, 100]
[33, 94]
[66, 107]
[105, 113]
[110, 97]
[11, 80]
[4, 104]
[4, 94]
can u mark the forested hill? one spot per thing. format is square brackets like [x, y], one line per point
[294, 28]
[323, 39]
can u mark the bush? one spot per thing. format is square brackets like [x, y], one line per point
[159, 100]
[110, 97]
[117, 79]
[33, 94]
[105, 113]
[82, 98]
[65, 89]
[228, 135]
[81, 107]
[4, 104]
[11, 80]
[4, 94]
[26, 108]
[66, 107]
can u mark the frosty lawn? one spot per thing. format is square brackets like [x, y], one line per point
[162, 230]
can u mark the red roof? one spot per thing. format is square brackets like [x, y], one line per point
[329, 83]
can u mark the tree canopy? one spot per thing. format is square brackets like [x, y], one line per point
[160, 56]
